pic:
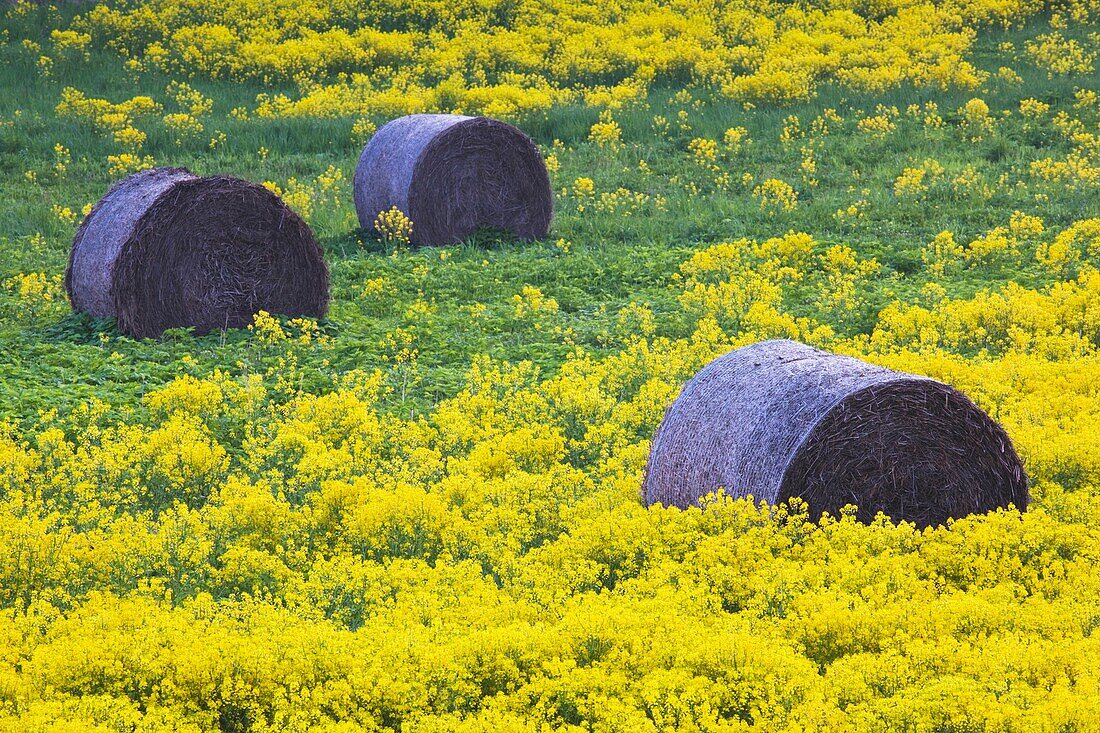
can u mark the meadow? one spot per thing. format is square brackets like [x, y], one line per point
[422, 513]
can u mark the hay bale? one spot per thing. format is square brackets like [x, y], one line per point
[166, 249]
[452, 175]
[779, 419]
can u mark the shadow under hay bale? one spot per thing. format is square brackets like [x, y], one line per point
[452, 175]
[779, 419]
[167, 249]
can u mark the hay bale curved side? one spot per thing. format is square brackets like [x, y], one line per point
[210, 253]
[384, 173]
[779, 419]
[451, 175]
[103, 232]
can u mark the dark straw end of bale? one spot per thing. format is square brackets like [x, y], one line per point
[779, 419]
[452, 175]
[204, 253]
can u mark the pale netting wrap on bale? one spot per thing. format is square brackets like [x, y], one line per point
[452, 175]
[166, 249]
[779, 419]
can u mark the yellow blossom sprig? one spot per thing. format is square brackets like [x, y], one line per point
[394, 227]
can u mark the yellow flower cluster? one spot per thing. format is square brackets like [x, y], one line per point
[624, 202]
[104, 115]
[1033, 108]
[323, 194]
[63, 157]
[267, 329]
[775, 195]
[910, 182]
[393, 226]
[735, 138]
[877, 126]
[236, 557]
[976, 120]
[360, 59]
[35, 294]
[124, 164]
[531, 302]
[1058, 55]
[1081, 166]
[704, 150]
[606, 132]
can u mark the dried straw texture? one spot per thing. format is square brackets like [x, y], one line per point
[452, 175]
[166, 249]
[779, 419]
[103, 232]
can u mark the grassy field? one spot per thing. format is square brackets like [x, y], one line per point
[593, 264]
[422, 512]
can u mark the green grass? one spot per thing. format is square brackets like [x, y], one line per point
[56, 361]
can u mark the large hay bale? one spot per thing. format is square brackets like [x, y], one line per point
[452, 175]
[779, 419]
[166, 249]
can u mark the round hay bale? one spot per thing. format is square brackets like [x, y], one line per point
[167, 249]
[779, 419]
[451, 175]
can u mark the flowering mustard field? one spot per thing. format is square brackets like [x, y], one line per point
[423, 513]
